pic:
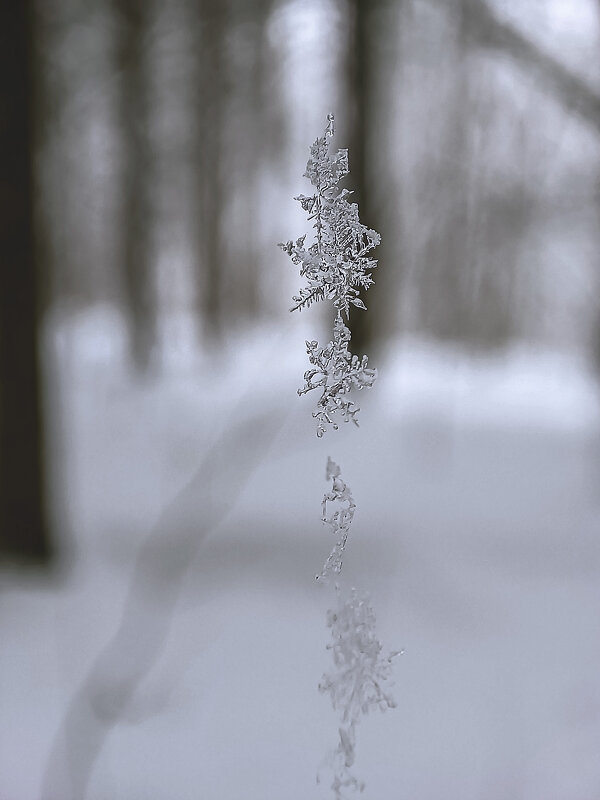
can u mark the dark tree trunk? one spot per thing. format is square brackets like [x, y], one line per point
[360, 80]
[594, 344]
[213, 96]
[137, 216]
[367, 77]
[248, 150]
[23, 527]
[234, 112]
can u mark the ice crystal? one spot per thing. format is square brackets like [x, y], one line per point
[339, 520]
[336, 266]
[356, 686]
[337, 372]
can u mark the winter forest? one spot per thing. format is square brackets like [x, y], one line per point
[165, 504]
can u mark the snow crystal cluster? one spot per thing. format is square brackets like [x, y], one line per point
[339, 520]
[337, 371]
[336, 267]
[355, 687]
[360, 669]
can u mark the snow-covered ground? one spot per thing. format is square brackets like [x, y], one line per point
[177, 652]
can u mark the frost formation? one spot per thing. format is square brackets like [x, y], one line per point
[336, 266]
[339, 520]
[355, 684]
[355, 687]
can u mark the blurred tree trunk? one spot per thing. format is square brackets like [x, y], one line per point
[594, 345]
[212, 99]
[360, 71]
[250, 140]
[361, 86]
[468, 294]
[234, 110]
[368, 168]
[137, 223]
[446, 306]
[23, 526]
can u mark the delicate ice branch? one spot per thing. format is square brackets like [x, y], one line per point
[336, 266]
[336, 371]
[355, 686]
[339, 520]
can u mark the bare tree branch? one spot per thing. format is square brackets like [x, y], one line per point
[484, 28]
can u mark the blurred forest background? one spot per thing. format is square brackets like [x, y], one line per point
[150, 150]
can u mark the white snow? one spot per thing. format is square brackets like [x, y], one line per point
[477, 533]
